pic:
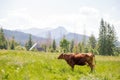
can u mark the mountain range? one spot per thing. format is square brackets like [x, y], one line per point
[21, 37]
[41, 35]
[56, 33]
[47, 32]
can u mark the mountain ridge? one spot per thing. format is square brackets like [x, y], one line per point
[55, 33]
[46, 32]
[20, 37]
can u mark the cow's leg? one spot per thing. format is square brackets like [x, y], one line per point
[72, 66]
[71, 63]
[92, 67]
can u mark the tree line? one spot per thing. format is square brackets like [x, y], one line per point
[7, 43]
[104, 45]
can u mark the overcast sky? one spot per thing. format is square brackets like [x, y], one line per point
[77, 16]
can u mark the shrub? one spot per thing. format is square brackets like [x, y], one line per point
[20, 48]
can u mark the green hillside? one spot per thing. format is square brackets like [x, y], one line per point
[23, 65]
[21, 37]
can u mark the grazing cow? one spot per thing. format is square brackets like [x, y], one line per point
[79, 59]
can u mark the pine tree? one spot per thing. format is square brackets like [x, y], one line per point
[92, 42]
[106, 39]
[29, 43]
[12, 44]
[3, 41]
[102, 38]
[54, 45]
[111, 39]
[80, 47]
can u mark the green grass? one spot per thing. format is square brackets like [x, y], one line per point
[24, 65]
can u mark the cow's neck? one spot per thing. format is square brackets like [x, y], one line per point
[67, 57]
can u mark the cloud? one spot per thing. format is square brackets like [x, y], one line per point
[75, 22]
[16, 19]
[88, 11]
[86, 19]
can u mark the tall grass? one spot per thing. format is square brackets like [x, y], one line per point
[27, 65]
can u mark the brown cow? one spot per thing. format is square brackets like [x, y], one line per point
[79, 59]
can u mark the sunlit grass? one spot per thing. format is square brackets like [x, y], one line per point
[28, 65]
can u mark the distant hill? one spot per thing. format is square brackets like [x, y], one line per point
[20, 36]
[41, 35]
[56, 33]
[46, 32]
[74, 36]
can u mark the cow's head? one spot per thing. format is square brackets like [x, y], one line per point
[61, 56]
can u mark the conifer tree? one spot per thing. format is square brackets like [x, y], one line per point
[3, 41]
[80, 47]
[12, 44]
[107, 39]
[92, 42]
[29, 43]
[54, 45]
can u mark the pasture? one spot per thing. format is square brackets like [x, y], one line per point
[27, 65]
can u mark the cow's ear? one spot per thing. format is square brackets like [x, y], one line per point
[62, 54]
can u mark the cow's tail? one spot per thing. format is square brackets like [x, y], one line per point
[94, 59]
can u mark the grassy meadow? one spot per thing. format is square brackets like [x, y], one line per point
[27, 65]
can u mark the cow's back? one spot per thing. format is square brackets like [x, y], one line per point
[79, 59]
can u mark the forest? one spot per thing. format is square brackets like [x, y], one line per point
[105, 44]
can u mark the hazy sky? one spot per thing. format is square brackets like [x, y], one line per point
[75, 15]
